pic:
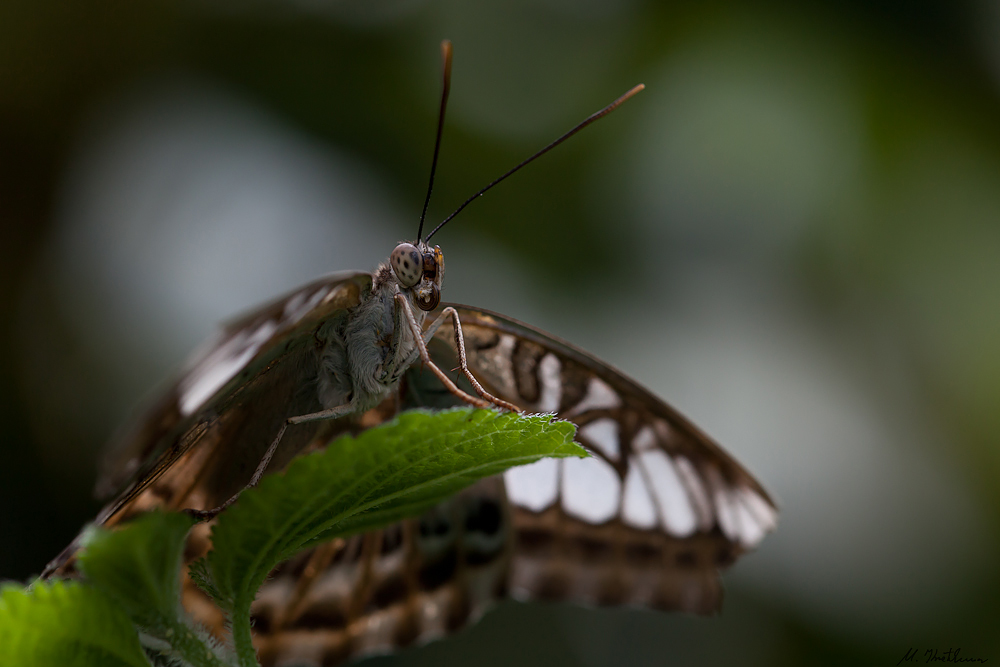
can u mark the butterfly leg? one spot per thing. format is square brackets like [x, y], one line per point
[463, 364]
[428, 334]
[332, 413]
[488, 400]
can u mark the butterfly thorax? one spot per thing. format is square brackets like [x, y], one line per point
[366, 352]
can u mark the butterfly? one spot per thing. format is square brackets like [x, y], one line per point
[649, 520]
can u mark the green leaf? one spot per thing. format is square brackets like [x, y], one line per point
[201, 576]
[139, 566]
[65, 624]
[385, 474]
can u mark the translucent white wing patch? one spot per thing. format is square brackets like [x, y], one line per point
[551, 383]
[656, 491]
[638, 509]
[599, 396]
[647, 472]
[220, 366]
[229, 353]
[590, 489]
[534, 487]
[602, 434]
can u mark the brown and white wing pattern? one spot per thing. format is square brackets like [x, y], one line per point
[648, 520]
[380, 591]
[201, 441]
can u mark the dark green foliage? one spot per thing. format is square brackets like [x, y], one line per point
[65, 623]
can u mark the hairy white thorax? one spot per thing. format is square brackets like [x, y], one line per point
[364, 355]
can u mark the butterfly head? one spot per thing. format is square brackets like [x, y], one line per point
[419, 268]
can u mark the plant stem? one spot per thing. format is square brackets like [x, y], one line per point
[242, 637]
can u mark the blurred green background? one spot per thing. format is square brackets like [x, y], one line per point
[793, 236]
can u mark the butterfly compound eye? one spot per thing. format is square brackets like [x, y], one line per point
[407, 264]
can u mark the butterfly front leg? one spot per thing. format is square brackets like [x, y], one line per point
[488, 400]
[395, 372]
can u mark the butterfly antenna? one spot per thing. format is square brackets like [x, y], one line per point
[590, 119]
[446, 57]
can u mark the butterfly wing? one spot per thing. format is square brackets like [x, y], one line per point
[650, 518]
[648, 521]
[201, 441]
[412, 582]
